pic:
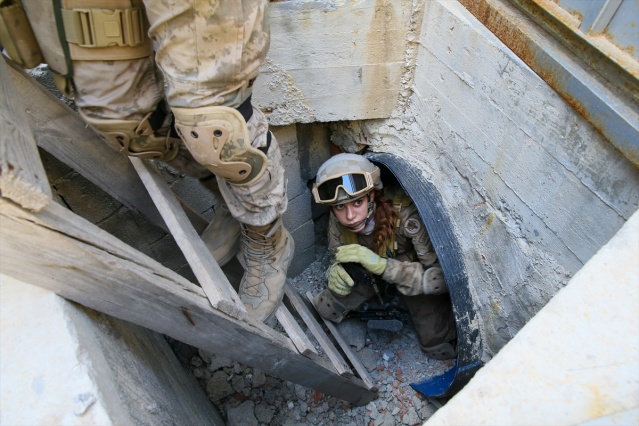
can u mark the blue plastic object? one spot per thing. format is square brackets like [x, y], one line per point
[443, 385]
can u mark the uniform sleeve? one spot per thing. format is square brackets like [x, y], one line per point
[423, 276]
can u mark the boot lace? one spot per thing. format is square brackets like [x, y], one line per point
[257, 252]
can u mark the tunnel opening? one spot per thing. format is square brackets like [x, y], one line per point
[427, 199]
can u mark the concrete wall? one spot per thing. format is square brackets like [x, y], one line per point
[533, 190]
[65, 364]
[297, 219]
[334, 60]
[567, 366]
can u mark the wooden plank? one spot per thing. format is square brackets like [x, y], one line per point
[60, 131]
[346, 347]
[22, 176]
[325, 342]
[87, 265]
[208, 272]
[294, 331]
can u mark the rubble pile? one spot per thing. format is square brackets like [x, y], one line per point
[248, 397]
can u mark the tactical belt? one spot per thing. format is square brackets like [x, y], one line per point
[106, 34]
[104, 28]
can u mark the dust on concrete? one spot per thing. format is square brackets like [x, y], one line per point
[247, 396]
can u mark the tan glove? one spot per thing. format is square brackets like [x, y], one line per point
[360, 254]
[339, 282]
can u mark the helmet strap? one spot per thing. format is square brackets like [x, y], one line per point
[371, 207]
[369, 222]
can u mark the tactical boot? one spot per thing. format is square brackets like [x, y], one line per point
[442, 351]
[267, 252]
[222, 235]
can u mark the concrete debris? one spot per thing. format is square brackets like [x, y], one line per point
[369, 358]
[218, 386]
[215, 363]
[246, 396]
[242, 415]
[82, 403]
[354, 332]
[264, 413]
[388, 356]
[411, 417]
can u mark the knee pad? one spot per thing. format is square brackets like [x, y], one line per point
[135, 138]
[433, 282]
[329, 307]
[218, 139]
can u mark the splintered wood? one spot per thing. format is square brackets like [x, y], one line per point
[22, 176]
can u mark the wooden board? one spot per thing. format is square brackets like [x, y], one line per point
[22, 176]
[294, 331]
[60, 131]
[207, 271]
[346, 347]
[314, 327]
[85, 264]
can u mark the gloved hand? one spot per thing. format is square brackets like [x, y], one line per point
[360, 254]
[339, 282]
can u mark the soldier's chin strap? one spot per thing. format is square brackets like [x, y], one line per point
[371, 207]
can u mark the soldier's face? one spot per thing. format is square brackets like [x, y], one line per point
[353, 214]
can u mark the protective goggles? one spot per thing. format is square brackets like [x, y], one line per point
[354, 184]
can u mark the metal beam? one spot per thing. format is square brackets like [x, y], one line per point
[613, 111]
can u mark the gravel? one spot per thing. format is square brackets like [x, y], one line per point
[247, 396]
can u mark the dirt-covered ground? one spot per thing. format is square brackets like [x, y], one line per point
[246, 396]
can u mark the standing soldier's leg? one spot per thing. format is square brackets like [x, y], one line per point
[210, 53]
[102, 46]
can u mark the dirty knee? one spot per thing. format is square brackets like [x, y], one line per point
[327, 307]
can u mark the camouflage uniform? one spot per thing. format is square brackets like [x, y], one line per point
[430, 313]
[209, 53]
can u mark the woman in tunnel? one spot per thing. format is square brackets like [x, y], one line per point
[378, 230]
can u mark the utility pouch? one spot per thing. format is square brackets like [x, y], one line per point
[16, 35]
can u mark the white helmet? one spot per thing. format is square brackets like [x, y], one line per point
[345, 177]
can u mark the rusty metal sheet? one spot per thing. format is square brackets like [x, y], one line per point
[608, 97]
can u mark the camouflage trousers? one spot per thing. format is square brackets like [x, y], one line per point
[207, 53]
[432, 315]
